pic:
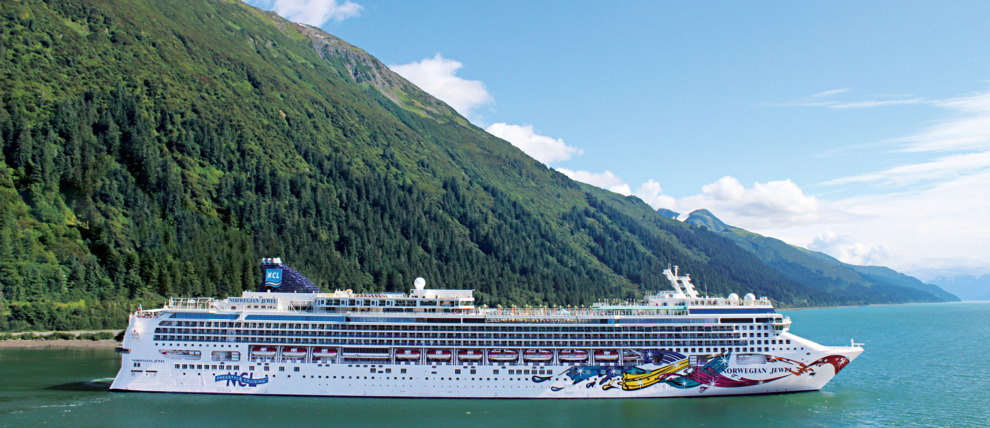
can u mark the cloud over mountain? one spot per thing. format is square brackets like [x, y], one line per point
[606, 180]
[849, 249]
[542, 148]
[312, 12]
[438, 76]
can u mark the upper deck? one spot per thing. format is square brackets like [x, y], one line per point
[682, 304]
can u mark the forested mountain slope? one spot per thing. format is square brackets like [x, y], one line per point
[855, 284]
[156, 148]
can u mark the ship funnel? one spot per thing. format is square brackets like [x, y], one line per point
[283, 279]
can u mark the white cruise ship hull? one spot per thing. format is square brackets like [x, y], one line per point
[435, 343]
[724, 374]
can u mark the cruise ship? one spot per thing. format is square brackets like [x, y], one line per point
[289, 338]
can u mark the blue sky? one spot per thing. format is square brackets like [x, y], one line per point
[861, 129]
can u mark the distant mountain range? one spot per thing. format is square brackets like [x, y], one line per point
[967, 287]
[821, 271]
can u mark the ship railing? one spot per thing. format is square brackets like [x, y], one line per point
[148, 313]
[203, 303]
[540, 313]
[782, 324]
[679, 301]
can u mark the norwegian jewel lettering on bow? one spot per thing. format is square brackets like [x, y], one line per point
[290, 338]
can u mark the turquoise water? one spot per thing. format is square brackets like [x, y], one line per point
[921, 368]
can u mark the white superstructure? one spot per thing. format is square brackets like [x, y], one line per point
[436, 343]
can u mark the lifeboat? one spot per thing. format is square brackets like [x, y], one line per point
[630, 355]
[407, 354]
[469, 355]
[438, 355]
[605, 355]
[294, 352]
[537, 355]
[502, 355]
[262, 351]
[571, 355]
[324, 352]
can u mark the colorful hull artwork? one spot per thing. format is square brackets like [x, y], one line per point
[675, 371]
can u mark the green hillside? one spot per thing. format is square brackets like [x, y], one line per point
[854, 284]
[154, 148]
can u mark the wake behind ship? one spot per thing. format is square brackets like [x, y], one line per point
[289, 338]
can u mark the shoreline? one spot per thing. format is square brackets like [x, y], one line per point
[59, 343]
[803, 308]
[43, 339]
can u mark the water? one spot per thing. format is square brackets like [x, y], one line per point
[921, 368]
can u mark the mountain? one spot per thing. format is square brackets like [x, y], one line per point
[667, 213]
[160, 148]
[855, 284]
[967, 287]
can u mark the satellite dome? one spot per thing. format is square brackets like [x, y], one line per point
[733, 298]
[420, 283]
[750, 297]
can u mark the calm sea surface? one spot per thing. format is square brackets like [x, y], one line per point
[922, 367]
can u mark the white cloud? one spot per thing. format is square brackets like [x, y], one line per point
[849, 249]
[651, 193]
[927, 216]
[540, 147]
[947, 167]
[312, 12]
[763, 204]
[438, 77]
[828, 99]
[831, 92]
[606, 180]
[966, 134]
[874, 103]
[969, 129]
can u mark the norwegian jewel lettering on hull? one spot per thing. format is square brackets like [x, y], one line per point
[289, 338]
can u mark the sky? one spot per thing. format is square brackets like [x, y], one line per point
[859, 129]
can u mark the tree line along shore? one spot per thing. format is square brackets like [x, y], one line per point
[61, 339]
